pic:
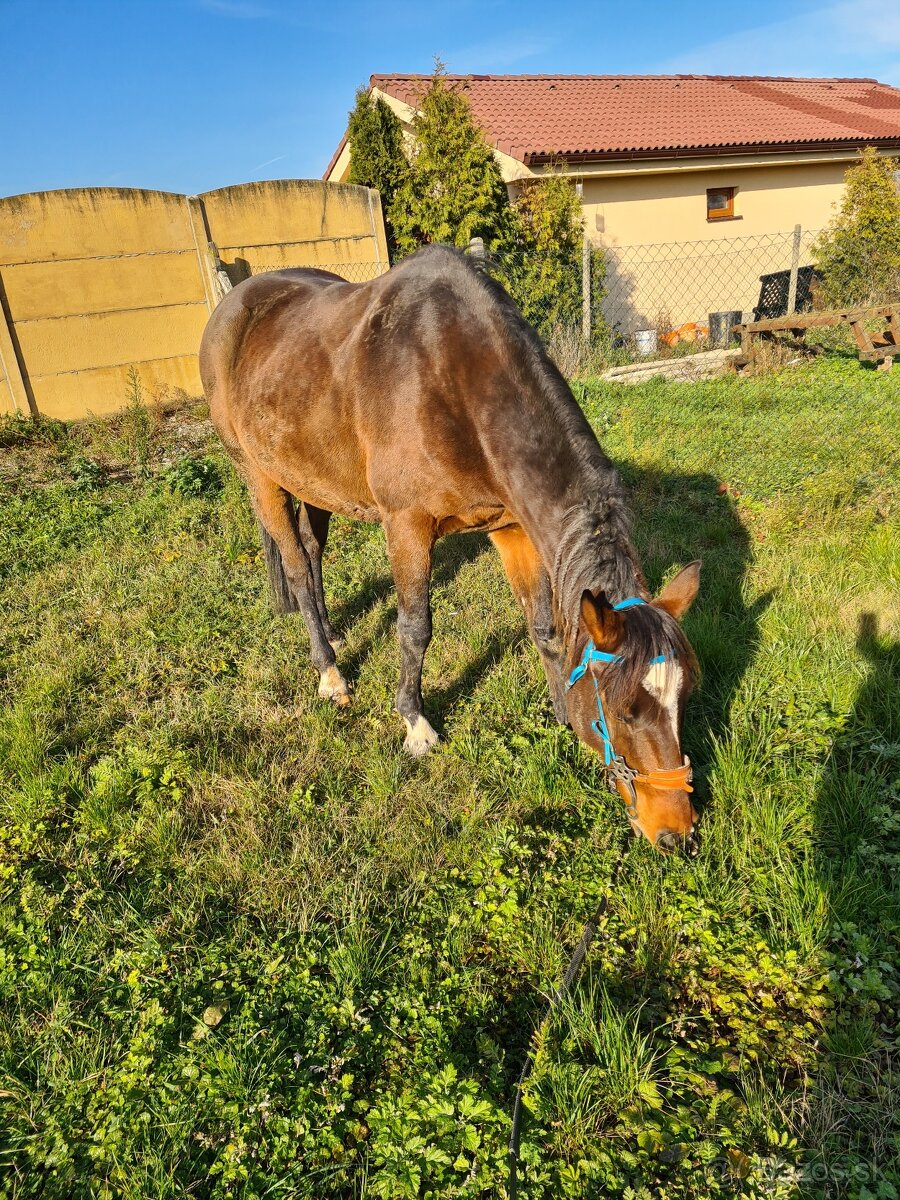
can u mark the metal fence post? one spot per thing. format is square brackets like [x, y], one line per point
[795, 267]
[586, 290]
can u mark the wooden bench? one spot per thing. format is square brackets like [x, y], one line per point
[880, 347]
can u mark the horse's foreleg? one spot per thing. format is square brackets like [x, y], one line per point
[531, 587]
[275, 510]
[312, 524]
[410, 539]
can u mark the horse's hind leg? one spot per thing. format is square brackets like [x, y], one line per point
[410, 539]
[275, 511]
[312, 524]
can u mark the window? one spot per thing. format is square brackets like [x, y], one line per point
[720, 204]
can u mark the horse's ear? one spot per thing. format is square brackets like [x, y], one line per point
[680, 593]
[601, 620]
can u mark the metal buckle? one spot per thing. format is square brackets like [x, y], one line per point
[619, 769]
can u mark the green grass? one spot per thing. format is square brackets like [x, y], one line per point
[249, 949]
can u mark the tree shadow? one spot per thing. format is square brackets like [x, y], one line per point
[852, 1123]
[678, 518]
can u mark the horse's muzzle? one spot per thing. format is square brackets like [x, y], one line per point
[667, 842]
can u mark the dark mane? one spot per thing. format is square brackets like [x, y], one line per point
[594, 550]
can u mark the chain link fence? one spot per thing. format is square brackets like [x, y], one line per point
[666, 286]
[354, 272]
[610, 305]
[615, 303]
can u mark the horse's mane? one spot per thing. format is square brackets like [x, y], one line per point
[594, 551]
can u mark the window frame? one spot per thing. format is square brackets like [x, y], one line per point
[721, 214]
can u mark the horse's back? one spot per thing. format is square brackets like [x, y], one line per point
[243, 306]
[234, 317]
[398, 392]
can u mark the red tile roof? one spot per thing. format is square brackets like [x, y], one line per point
[538, 116]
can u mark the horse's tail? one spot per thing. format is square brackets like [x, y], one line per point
[283, 598]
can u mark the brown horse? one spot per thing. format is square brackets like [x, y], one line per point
[425, 401]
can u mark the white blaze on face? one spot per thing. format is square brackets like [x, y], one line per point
[663, 682]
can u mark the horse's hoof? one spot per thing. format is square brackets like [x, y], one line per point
[420, 737]
[333, 686]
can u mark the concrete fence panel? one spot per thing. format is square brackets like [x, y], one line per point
[97, 281]
[263, 226]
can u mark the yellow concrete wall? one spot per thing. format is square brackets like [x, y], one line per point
[263, 226]
[95, 281]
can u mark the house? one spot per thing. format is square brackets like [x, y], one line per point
[671, 160]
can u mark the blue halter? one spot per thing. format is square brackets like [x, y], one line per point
[592, 655]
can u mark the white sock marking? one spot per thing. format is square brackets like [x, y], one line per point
[420, 737]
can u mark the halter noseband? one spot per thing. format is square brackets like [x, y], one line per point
[674, 778]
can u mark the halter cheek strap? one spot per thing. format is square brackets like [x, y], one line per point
[671, 779]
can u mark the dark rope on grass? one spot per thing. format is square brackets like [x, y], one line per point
[571, 971]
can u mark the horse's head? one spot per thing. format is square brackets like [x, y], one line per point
[627, 690]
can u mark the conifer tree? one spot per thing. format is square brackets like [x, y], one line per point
[377, 159]
[453, 190]
[858, 255]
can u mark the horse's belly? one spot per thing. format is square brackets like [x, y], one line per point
[481, 518]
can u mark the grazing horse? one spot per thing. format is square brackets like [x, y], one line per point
[425, 401]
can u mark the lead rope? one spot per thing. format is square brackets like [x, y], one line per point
[616, 768]
[566, 982]
[570, 972]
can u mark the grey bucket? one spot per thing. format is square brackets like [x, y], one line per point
[721, 327]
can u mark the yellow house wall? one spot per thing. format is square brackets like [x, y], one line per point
[627, 210]
[667, 264]
[95, 281]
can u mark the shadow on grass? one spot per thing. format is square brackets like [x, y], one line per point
[451, 554]
[852, 1125]
[677, 518]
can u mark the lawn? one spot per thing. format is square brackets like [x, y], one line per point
[249, 949]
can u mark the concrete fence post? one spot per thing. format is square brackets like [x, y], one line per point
[20, 401]
[795, 268]
[586, 290]
[476, 251]
[200, 233]
[222, 280]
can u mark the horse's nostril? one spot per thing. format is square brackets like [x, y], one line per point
[668, 842]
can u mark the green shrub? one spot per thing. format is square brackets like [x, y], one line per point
[194, 476]
[453, 190]
[858, 254]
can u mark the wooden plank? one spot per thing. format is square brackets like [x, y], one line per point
[862, 337]
[820, 320]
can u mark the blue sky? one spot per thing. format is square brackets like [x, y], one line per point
[187, 95]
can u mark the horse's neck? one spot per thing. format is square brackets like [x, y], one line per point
[569, 499]
[581, 531]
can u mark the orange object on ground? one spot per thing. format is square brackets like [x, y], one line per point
[690, 332]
